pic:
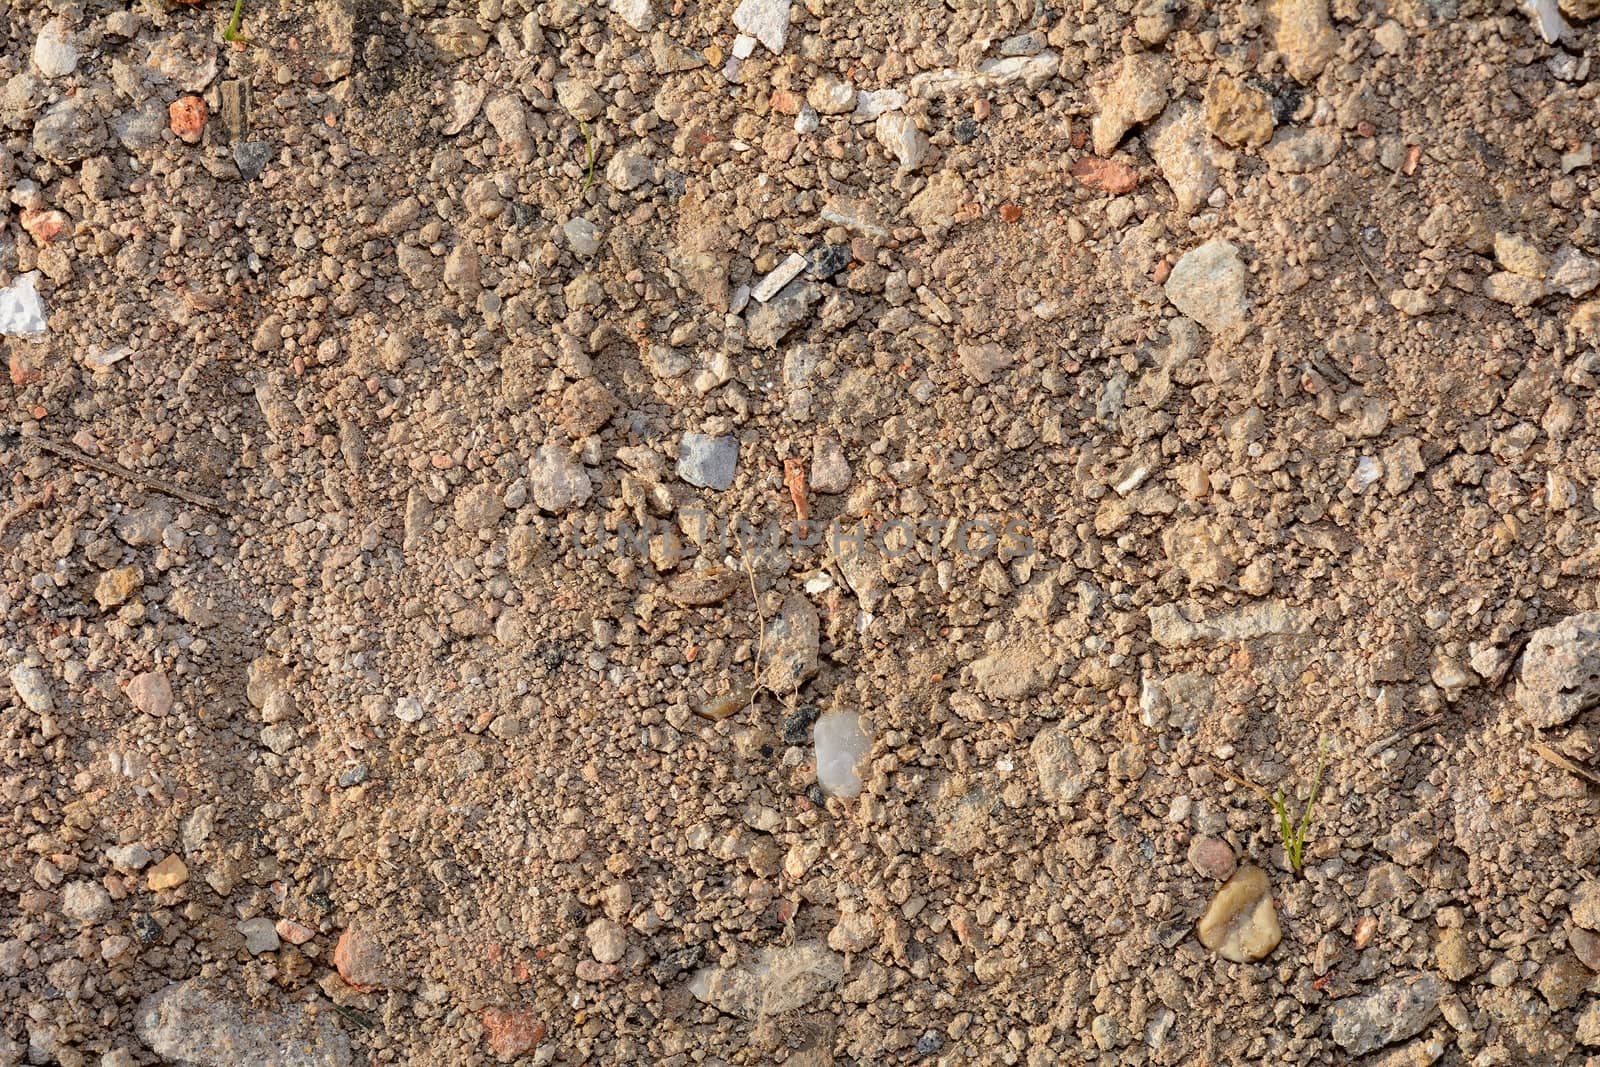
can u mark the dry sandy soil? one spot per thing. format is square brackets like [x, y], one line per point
[1185, 403]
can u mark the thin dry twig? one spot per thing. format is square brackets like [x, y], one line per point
[24, 506]
[1425, 723]
[761, 618]
[1513, 655]
[1355, 246]
[116, 470]
[1557, 758]
[758, 684]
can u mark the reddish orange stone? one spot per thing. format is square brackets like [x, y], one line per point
[21, 369]
[512, 1032]
[44, 226]
[187, 117]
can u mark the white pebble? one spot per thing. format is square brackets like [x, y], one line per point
[21, 310]
[54, 53]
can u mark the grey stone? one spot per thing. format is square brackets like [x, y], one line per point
[260, 935]
[579, 99]
[251, 157]
[187, 60]
[898, 134]
[1560, 674]
[140, 128]
[55, 53]
[477, 508]
[830, 471]
[1189, 623]
[1031, 71]
[133, 857]
[509, 118]
[280, 737]
[1208, 285]
[871, 103]
[85, 902]
[607, 940]
[708, 462]
[830, 95]
[857, 215]
[842, 743]
[780, 276]
[1393, 1012]
[583, 236]
[1063, 777]
[197, 1024]
[768, 324]
[1180, 144]
[465, 101]
[1023, 44]
[70, 131]
[1297, 151]
[790, 646]
[1572, 272]
[1014, 672]
[21, 310]
[1517, 290]
[780, 980]
[640, 14]
[629, 169]
[1136, 94]
[556, 480]
[32, 688]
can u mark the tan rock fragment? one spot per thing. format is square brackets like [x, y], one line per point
[1240, 923]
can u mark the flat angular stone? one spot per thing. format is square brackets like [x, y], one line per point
[781, 275]
[765, 20]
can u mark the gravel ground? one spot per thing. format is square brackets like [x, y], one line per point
[785, 531]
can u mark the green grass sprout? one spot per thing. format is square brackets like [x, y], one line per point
[1294, 834]
[231, 34]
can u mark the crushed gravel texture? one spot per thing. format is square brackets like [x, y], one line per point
[466, 460]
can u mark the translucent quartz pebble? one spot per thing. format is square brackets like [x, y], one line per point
[842, 744]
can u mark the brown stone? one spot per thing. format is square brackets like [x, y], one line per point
[1238, 114]
[1212, 857]
[1586, 946]
[586, 406]
[359, 958]
[1453, 955]
[151, 693]
[115, 586]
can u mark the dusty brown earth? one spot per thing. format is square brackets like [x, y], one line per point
[1185, 403]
